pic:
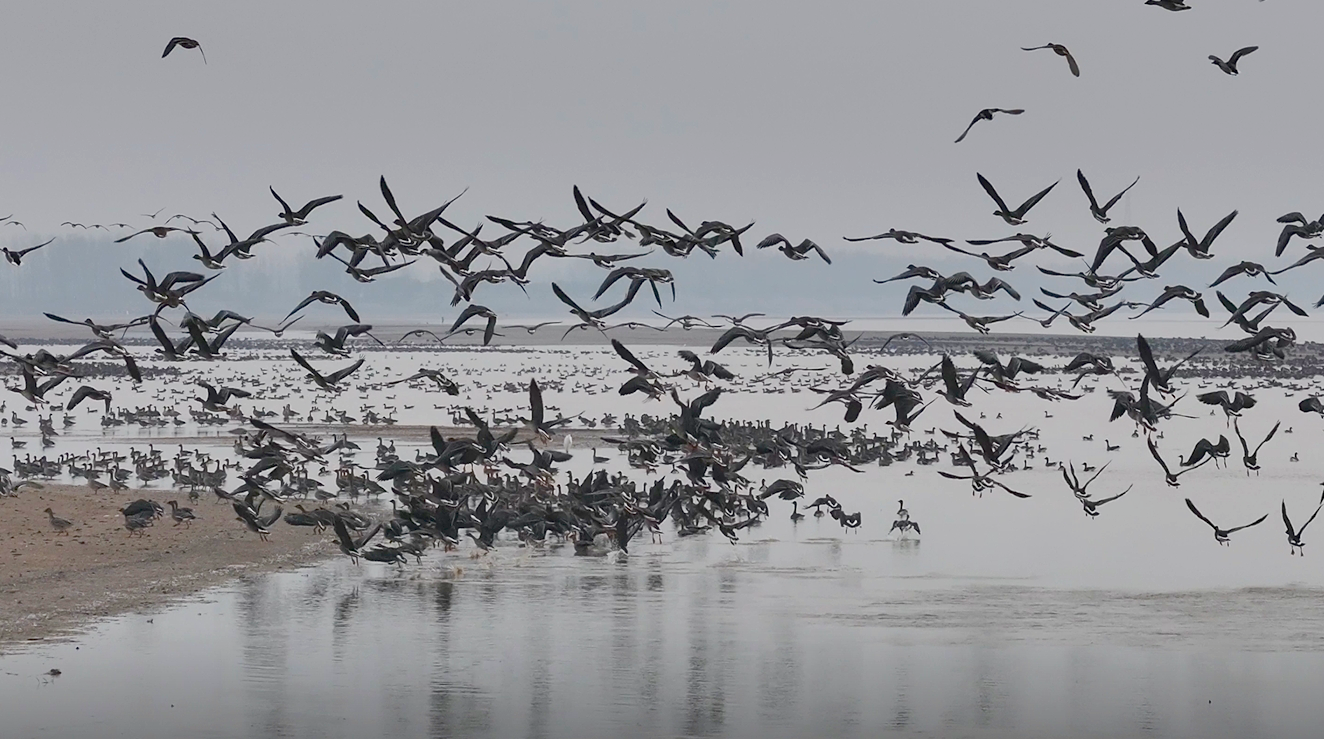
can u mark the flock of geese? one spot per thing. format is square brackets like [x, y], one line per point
[482, 484]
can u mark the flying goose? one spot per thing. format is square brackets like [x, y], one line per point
[1012, 217]
[183, 42]
[1100, 213]
[1061, 51]
[1230, 66]
[986, 115]
[1222, 535]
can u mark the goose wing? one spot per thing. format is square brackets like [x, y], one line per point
[1256, 522]
[1201, 516]
[1034, 200]
[988, 188]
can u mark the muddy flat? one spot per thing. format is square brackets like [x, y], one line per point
[51, 583]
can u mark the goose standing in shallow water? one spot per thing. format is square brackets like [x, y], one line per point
[796, 515]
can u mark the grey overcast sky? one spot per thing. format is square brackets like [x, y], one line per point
[816, 120]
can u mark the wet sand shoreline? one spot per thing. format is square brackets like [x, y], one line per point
[52, 585]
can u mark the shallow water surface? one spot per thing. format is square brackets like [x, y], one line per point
[1008, 618]
[697, 638]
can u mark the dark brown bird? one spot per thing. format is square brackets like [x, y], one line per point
[184, 42]
[1061, 51]
[1230, 66]
[986, 115]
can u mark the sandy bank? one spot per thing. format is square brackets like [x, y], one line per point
[51, 584]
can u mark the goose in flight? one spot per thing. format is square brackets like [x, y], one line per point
[979, 482]
[1312, 405]
[471, 311]
[1264, 297]
[1083, 323]
[299, 217]
[1309, 257]
[204, 255]
[1160, 380]
[329, 298]
[15, 256]
[752, 336]
[443, 383]
[986, 115]
[1091, 278]
[1231, 406]
[1229, 67]
[537, 415]
[1266, 343]
[901, 237]
[1100, 212]
[636, 365]
[350, 546]
[1205, 448]
[258, 524]
[1169, 476]
[1003, 262]
[1250, 269]
[335, 344]
[704, 370]
[102, 331]
[329, 381]
[32, 391]
[738, 320]
[1221, 535]
[1004, 375]
[159, 232]
[1078, 488]
[650, 275]
[594, 318]
[240, 248]
[171, 290]
[1250, 458]
[184, 42]
[1090, 301]
[954, 389]
[914, 270]
[1091, 505]
[217, 400]
[980, 323]
[1200, 249]
[686, 322]
[1061, 51]
[1012, 217]
[1174, 292]
[370, 274]
[1295, 224]
[991, 448]
[85, 392]
[1293, 534]
[1173, 5]
[795, 252]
